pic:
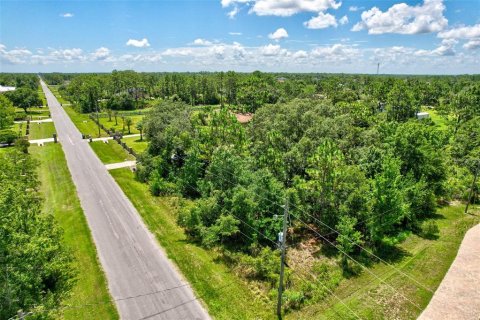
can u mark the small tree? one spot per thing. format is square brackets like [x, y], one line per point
[140, 128]
[7, 136]
[123, 123]
[348, 237]
[115, 114]
[109, 112]
[128, 122]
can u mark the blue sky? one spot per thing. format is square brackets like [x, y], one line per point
[417, 36]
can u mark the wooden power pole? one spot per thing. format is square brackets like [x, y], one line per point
[472, 188]
[282, 238]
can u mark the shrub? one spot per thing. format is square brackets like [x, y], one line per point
[430, 229]
[7, 136]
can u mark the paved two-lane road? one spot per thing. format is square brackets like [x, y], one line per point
[134, 263]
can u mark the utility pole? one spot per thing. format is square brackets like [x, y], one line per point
[282, 238]
[473, 187]
[378, 68]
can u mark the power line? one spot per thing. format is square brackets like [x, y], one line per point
[337, 232]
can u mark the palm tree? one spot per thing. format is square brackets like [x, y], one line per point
[128, 122]
[140, 128]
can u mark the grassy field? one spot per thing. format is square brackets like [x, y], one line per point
[135, 143]
[59, 97]
[35, 113]
[42, 96]
[426, 261]
[110, 152]
[16, 128]
[84, 124]
[226, 296]
[119, 127]
[41, 130]
[90, 293]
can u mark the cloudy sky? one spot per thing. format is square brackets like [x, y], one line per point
[415, 36]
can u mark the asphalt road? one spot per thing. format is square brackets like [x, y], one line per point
[141, 279]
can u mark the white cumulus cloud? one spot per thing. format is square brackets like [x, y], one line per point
[343, 20]
[101, 53]
[202, 42]
[66, 15]
[321, 21]
[138, 43]
[283, 8]
[404, 19]
[279, 34]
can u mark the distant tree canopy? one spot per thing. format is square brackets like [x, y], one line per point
[24, 98]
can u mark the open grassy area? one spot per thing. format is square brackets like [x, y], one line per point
[20, 128]
[226, 295]
[427, 261]
[84, 124]
[37, 113]
[119, 126]
[89, 298]
[110, 152]
[42, 96]
[135, 143]
[59, 97]
[41, 130]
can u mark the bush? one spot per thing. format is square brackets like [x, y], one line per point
[7, 136]
[430, 229]
[293, 299]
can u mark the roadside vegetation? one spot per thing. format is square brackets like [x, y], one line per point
[375, 195]
[110, 152]
[89, 297]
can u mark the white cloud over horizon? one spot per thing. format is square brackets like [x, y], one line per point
[279, 34]
[138, 43]
[67, 15]
[404, 19]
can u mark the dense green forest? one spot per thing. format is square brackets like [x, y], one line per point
[359, 171]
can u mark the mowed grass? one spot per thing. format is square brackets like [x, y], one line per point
[396, 296]
[89, 298]
[41, 130]
[119, 126]
[19, 128]
[225, 295]
[57, 94]
[110, 152]
[83, 123]
[42, 96]
[36, 113]
[135, 143]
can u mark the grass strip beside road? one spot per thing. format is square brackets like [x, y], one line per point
[135, 143]
[83, 123]
[110, 152]
[226, 295]
[89, 298]
[41, 130]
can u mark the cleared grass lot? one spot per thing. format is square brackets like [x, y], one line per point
[110, 152]
[425, 260]
[84, 124]
[119, 126]
[135, 143]
[89, 298]
[226, 296]
[41, 130]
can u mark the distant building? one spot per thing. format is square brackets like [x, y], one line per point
[5, 89]
[423, 115]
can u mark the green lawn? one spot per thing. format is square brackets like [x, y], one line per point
[427, 261]
[42, 96]
[19, 128]
[119, 126]
[36, 113]
[226, 295]
[84, 124]
[135, 143]
[41, 130]
[90, 292]
[59, 97]
[110, 152]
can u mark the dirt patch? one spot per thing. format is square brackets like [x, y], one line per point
[244, 117]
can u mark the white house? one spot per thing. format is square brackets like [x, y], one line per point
[5, 89]
[423, 115]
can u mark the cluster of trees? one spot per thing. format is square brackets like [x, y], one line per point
[124, 90]
[36, 268]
